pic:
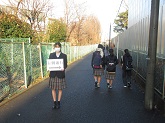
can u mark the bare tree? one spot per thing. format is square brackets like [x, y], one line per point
[80, 10]
[69, 17]
[32, 11]
[73, 18]
[92, 30]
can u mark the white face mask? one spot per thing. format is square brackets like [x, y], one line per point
[57, 49]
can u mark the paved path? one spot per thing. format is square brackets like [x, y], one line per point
[81, 102]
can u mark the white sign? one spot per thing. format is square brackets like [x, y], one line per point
[55, 64]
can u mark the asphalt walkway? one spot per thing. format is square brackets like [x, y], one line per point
[81, 102]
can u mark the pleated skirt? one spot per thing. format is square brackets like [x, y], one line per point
[110, 75]
[98, 72]
[57, 83]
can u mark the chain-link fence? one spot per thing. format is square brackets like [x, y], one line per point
[21, 63]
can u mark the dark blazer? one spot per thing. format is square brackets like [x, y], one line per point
[102, 62]
[124, 60]
[107, 58]
[59, 74]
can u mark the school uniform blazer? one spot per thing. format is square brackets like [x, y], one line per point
[124, 60]
[58, 74]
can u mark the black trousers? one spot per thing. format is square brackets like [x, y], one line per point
[126, 74]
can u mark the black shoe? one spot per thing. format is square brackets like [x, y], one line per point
[95, 84]
[108, 85]
[129, 84]
[55, 105]
[58, 105]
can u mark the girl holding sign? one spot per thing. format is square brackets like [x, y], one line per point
[57, 76]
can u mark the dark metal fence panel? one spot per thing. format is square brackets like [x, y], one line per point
[46, 49]
[34, 70]
[11, 71]
[159, 75]
[135, 59]
[142, 65]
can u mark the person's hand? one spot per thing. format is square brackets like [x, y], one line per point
[62, 69]
[101, 66]
[111, 63]
[121, 65]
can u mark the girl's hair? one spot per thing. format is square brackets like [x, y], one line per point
[100, 46]
[111, 51]
[126, 51]
[57, 43]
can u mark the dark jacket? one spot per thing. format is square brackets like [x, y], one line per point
[102, 59]
[59, 74]
[107, 58]
[124, 60]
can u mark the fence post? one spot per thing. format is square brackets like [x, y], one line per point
[24, 63]
[70, 53]
[30, 77]
[40, 59]
[12, 55]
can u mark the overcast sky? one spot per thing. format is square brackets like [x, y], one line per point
[104, 10]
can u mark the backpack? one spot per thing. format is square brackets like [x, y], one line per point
[97, 61]
[128, 62]
[111, 64]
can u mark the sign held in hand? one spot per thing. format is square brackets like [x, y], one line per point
[55, 64]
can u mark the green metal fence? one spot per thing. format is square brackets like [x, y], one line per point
[21, 63]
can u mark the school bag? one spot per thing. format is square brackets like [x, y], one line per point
[97, 61]
[128, 62]
[111, 64]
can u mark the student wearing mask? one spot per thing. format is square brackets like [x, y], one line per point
[57, 78]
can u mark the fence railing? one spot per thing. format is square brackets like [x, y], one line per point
[21, 63]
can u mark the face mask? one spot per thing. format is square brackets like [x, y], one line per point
[57, 49]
